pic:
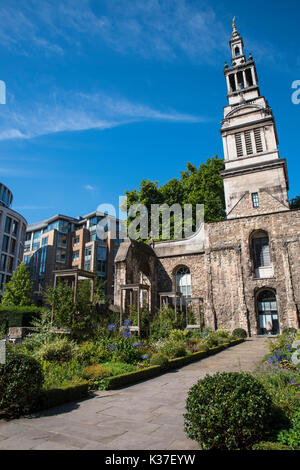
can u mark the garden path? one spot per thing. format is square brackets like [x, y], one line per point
[148, 415]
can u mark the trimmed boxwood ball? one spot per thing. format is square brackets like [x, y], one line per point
[21, 381]
[239, 333]
[227, 411]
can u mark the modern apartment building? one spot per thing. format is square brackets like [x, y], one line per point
[12, 236]
[63, 242]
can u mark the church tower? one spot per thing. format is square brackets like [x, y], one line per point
[255, 177]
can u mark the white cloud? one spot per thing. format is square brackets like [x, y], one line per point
[97, 111]
[150, 28]
[89, 187]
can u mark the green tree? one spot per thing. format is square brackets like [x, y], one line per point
[61, 301]
[18, 290]
[295, 203]
[203, 185]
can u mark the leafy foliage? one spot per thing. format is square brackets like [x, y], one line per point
[61, 301]
[21, 381]
[227, 411]
[202, 185]
[18, 289]
[239, 333]
[295, 203]
[291, 437]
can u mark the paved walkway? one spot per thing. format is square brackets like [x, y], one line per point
[148, 415]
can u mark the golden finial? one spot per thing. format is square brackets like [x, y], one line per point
[233, 24]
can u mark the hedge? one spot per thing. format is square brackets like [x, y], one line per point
[64, 394]
[18, 316]
[131, 377]
[150, 372]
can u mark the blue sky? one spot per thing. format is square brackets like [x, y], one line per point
[104, 93]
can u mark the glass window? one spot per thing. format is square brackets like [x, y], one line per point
[255, 200]
[15, 226]
[5, 243]
[36, 246]
[12, 246]
[267, 312]
[75, 255]
[87, 266]
[261, 252]
[101, 253]
[10, 261]
[3, 262]
[43, 260]
[88, 251]
[45, 241]
[8, 224]
[183, 281]
[37, 235]
[27, 260]
[76, 240]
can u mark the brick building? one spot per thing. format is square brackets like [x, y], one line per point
[243, 271]
[63, 242]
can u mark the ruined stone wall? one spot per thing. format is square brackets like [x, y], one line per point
[223, 275]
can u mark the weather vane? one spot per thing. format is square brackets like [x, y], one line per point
[233, 23]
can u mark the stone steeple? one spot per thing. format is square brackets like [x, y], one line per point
[255, 178]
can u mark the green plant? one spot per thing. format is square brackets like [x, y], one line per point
[211, 339]
[17, 291]
[57, 374]
[277, 383]
[291, 437]
[62, 394]
[61, 301]
[269, 445]
[196, 345]
[21, 381]
[227, 411]
[159, 359]
[178, 335]
[289, 331]
[60, 349]
[173, 349]
[239, 333]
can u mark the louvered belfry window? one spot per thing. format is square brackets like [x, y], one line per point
[258, 140]
[248, 141]
[239, 145]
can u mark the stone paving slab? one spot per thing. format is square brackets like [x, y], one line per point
[146, 416]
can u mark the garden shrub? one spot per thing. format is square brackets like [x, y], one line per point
[239, 333]
[211, 339]
[278, 384]
[63, 394]
[159, 359]
[178, 335]
[61, 373]
[59, 349]
[21, 381]
[269, 445]
[95, 372]
[291, 437]
[173, 349]
[289, 331]
[196, 345]
[227, 411]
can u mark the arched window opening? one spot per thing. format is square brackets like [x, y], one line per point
[261, 254]
[237, 51]
[183, 282]
[267, 313]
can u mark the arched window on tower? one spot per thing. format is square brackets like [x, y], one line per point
[183, 282]
[237, 51]
[261, 256]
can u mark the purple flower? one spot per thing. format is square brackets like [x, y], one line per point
[136, 345]
[145, 356]
[111, 327]
[126, 334]
[128, 322]
[112, 347]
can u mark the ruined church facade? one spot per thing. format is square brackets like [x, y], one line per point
[245, 270]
